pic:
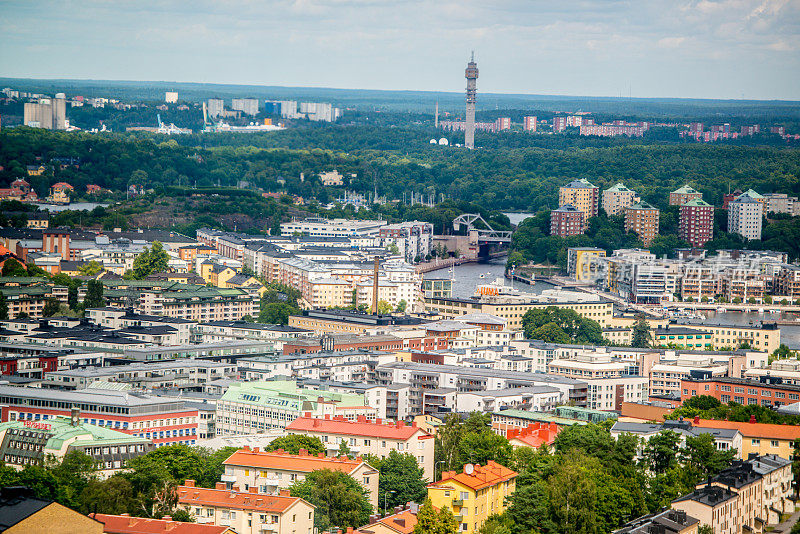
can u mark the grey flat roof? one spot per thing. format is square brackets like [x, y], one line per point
[482, 372]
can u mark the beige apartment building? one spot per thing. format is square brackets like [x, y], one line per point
[642, 219]
[247, 512]
[273, 471]
[581, 194]
[618, 197]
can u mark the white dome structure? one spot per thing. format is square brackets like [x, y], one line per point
[433, 141]
[443, 141]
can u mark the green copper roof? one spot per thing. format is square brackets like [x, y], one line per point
[619, 188]
[285, 394]
[82, 433]
[752, 194]
[642, 206]
[698, 202]
[685, 190]
[581, 183]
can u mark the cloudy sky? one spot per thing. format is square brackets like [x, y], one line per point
[648, 48]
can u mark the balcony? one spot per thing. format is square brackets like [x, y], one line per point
[458, 503]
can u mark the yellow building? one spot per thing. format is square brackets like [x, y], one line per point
[216, 275]
[759, 438]
[330, 293]
[581, 263]
[474, 494]
[642, 219]
[21, 513]
[581, 194]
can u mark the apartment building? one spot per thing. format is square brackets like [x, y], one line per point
[273, 471]
[582, 195]
[251, 407]
[759, 438]
[618, 197]
[666, 522]
[412, 238]
[164, 421]
[567, 221]
[534, 435]
[172, 374]
[684, 194]
[781, 203]
[642, 219]
[318, 227]
[369, 437]
[786, 281]
[745, 216]
[581, 263]
[391, 401]
[247, 512]
[724, 439]
[696, 222]
[474, 494]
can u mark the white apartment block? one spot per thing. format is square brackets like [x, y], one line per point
[317, 227]
[745, 217]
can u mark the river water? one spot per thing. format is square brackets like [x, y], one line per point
[469, 275]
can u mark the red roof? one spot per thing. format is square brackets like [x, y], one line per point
[753, 429]
[535, 434]
[340, 425]
[62, 185]
[402, 522]
[281, 460]
[482, 476]
[125, 524]
[234, 499]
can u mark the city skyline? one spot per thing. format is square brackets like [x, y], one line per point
[729, 49]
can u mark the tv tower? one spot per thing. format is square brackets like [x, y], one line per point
[471, 74]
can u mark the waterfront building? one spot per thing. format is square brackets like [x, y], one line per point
[567, 221]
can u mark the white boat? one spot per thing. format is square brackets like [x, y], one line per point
[482, 275]
[722, 310]
[761, 310]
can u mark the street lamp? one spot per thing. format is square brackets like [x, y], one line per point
[385, 496]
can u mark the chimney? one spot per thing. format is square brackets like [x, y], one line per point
[253, 489]
[349, 530]
[696, 420]
[303, 452]
[75, 416]
[378, 421]
[316, 422]
[218, 485]
[375, 286]
[398, 509]
[246, 448]
[320, 455]
[189, 483]
[283, 492]
[256, 449]
[235, 488]
[752, 419]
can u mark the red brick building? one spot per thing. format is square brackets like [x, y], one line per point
[566, 221]
[696, 222]
[768, 392]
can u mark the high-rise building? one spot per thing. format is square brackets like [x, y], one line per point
[248, 106]
[48, 113]
[642, 219]
[696, 222]
[503, 123]
[171, 97]
[684, 194]
[215, 107]
[566, 221]
[471, 74]
[744, 217]
[530, 124]
[582, 195]
[559, 124]
[618, 197]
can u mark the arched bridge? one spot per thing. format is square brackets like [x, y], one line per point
[487, 238]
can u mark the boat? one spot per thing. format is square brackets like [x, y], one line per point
[496, 289]
[482, 275]
[722, 310]
[761, 310]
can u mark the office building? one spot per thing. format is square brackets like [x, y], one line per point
[248, 106]
[582, 195]
[567, 221]
[696, 222]
[642, 219]
[618, 197]
[474, 494]
[745, 216]
[684, 194]
[247, 512]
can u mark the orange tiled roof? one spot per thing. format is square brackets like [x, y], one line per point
[753, 429]
[284, 461]
[402, 522]
[261, 502]
[535, 434]
[340, 425]
[125, 524]
[62, 185]
[483, 476]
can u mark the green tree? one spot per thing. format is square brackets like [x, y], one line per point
[431, 521]
[113, 495]
[91, 269]
[276, 313]
[12, 267]
[154, 260]
[384, 307]
[660, 452]
[446, 453]
[51, 307]
[294, 442]
[94, 295]
[642, 337]
[700, 455]
[340, 500]
[572, 491]
[401, 479]
[3, 306]
[401, 306]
